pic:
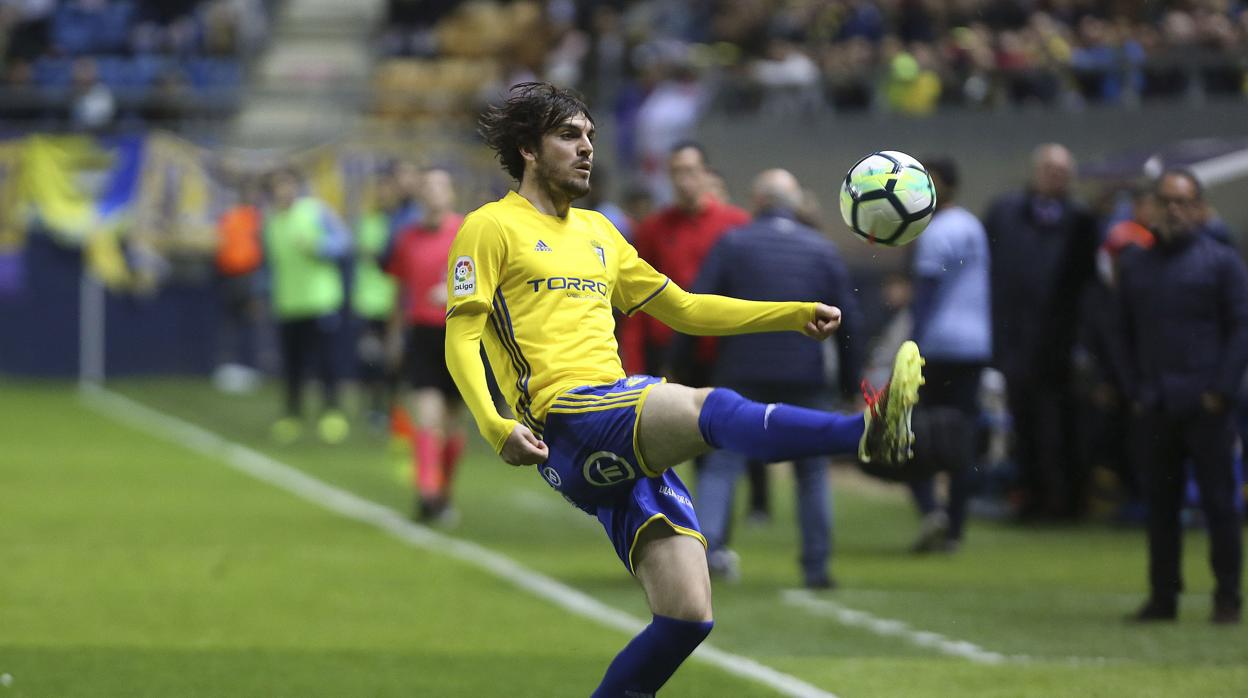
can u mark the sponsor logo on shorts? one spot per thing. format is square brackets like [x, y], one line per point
[605, 468]
[465, 273]
[634, 380]
[552, 476]
[669, 492]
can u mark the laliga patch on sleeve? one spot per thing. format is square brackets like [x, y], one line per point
[465, 277]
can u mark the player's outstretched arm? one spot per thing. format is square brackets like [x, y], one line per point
[712, 315]
[463, 360]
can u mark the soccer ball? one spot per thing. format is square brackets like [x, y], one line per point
[887, 198]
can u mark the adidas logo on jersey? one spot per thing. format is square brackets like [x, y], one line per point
[541, 247]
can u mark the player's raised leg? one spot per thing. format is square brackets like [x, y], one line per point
[678, 423]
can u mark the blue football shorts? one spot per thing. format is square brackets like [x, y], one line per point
[595, 464]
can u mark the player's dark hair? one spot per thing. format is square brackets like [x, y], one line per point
[947, 170]
[1184, 173]
[531, 110]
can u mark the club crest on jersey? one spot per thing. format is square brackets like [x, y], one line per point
[465, 275]
[541, 247]
[602, 255]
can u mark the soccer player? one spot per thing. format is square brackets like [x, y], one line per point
[535, 280]
[418, 260]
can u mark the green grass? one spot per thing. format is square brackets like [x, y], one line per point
[132, 566]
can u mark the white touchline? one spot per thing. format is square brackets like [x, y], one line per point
[351, 506]
[893, 628]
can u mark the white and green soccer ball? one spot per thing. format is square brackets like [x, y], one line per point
[887, 198]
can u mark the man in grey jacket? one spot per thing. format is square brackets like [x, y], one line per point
[953, 324]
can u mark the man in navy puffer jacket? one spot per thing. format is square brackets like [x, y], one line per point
[1186, 334]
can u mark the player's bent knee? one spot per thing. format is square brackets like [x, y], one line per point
[693, 609]
[700, 611]
[692, 603]
[699, 399]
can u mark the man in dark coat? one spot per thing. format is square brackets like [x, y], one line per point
[1042, 246]
[1186, 346]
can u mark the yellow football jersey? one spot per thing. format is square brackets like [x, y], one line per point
[549, 285]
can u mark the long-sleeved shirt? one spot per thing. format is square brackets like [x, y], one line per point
[538, 291]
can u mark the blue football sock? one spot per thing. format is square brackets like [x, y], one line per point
[650, 659]
[776, 432]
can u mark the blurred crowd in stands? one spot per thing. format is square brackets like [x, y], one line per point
[90, 65]
[659, 67]
[903, 56]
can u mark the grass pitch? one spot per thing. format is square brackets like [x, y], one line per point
[132, 566]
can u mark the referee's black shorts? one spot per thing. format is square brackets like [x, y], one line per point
[424, 359]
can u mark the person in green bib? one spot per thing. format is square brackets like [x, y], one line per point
[373, 295]
[304, 241]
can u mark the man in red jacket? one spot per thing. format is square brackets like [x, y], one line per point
[674, 241]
